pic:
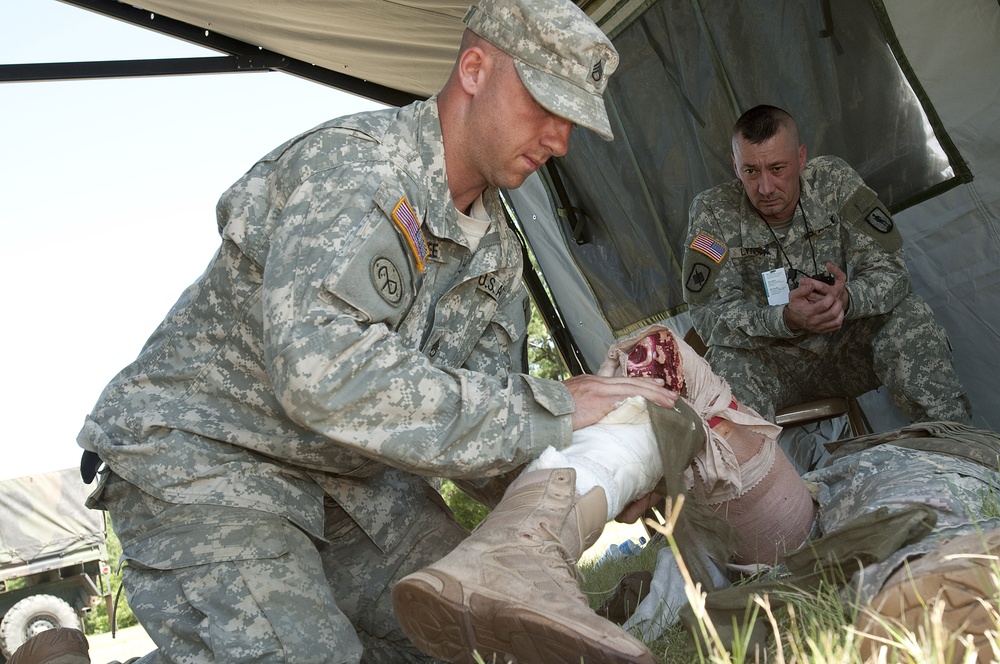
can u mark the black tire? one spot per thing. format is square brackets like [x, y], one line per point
[33, 615]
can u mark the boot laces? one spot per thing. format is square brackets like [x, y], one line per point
[554, 543]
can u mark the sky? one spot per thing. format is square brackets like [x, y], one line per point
[107, 207]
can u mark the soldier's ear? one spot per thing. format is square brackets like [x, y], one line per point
[471, 69]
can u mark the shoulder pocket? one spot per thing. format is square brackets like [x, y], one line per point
[866, 212]
[379, 279]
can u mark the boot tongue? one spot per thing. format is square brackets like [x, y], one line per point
[591, 515]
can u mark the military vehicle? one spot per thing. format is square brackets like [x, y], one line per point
[53, 559]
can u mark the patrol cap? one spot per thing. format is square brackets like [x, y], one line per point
[562, 57]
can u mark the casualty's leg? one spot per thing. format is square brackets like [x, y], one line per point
[741, 472]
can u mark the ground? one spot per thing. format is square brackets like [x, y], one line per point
[129, 642]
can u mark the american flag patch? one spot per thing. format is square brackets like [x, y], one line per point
[710, 247]
[403, 215]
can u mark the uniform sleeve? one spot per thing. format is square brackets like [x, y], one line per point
[339, 369]
[878, 278]
[721, 309]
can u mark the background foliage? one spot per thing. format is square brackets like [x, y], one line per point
[98, 621]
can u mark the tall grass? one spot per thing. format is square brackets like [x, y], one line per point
[813, 626]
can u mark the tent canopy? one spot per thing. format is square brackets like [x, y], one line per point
[907, 95]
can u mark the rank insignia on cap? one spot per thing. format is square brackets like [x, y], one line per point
[710, 247]
[597, 71]
[403, 215]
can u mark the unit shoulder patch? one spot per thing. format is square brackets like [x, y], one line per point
[698, 277]
[387, 280]
[864, 211]
[879, 220]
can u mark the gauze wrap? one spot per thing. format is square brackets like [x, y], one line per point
[724, 475]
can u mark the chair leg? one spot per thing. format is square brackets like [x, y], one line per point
[857, 419]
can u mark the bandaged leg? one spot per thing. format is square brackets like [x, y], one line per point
[618, 454]
[741, 472]
[770, 508]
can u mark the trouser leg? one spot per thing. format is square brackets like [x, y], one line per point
[216, 584]
[913, 358]
[362, 575]
[756, 379]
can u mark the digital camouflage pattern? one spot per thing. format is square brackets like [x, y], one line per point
[343, 340]
[889, 334]
[959, 490]
[277, 595]
[314, 346]
[561, 56]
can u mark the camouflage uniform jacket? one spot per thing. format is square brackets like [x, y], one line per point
[729, 246]
[331, 337]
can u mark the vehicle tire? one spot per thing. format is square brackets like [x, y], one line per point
[31, 616]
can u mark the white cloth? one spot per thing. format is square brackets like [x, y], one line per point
[619, 454]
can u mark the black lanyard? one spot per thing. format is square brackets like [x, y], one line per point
[793, 274]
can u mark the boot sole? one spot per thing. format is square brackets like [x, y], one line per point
[454, 629]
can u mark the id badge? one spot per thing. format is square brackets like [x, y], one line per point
[776, 286]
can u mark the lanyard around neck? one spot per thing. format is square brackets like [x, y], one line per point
[792, 272]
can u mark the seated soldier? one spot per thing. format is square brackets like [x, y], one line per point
[796, 281]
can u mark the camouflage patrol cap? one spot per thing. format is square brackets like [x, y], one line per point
[562, 57]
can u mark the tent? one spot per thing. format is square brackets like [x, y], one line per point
[898, 88]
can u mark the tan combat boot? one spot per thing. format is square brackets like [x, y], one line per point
[510, 589]
[963, 574]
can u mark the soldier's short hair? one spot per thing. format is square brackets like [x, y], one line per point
[761, 123]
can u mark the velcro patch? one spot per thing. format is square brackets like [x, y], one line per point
[709, 246]
[489, 284]
[698, 277]
[403, 215]
[864, 211]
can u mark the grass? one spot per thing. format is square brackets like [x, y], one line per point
[813, 627]
[809, 627]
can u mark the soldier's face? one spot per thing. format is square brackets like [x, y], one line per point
[770, 172]
[520, 136]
